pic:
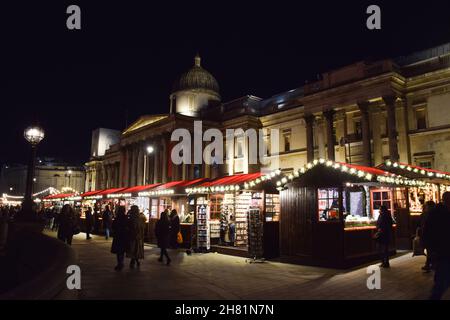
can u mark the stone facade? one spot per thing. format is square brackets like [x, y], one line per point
[364, 113]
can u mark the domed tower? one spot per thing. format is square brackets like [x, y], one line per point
[194, 90]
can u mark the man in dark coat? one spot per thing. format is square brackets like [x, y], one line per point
[436, 237]
[162, 231]
[107, 221]
[120, 237]
[88, 222]
[384, 231]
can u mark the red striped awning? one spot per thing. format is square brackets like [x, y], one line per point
[137, 189]
[90, 193]
[59, 196]
[109, 191]
[232, 180]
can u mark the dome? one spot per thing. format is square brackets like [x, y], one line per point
[197, 78]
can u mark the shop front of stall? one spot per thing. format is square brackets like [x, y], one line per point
[329, 212]
[434, 184]
[170, 196]
[238, 215]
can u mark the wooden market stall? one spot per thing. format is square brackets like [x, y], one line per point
[435, 183]
[240, 207]
[329, 212]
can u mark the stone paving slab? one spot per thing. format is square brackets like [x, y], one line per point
[217, 276]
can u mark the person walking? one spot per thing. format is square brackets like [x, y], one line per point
[174, 229]
[232, 230]
[437, 239]
[88, 222]
[107, 221]
[428, 207]
[67, 224]
[120, 236]
[162, 231]
[383, 235]
[136, 229]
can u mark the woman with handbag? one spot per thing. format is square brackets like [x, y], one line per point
[383, 235]
[174, 229]
[162, 232]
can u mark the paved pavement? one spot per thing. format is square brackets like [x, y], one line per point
[216, 276]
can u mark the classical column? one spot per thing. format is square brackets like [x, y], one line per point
[377, 119]
[329, 115]
[320, 128]
[365, 128]
[340, 133]
[392, 127]
[156, 162]
[164, 159]
[140, 164]
[309, 120]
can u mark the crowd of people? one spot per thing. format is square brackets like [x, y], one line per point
[433, 233]
[126, 228]
[128, 231]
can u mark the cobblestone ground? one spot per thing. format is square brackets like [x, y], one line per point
[216, 276]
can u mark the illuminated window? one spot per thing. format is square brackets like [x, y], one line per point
[287, 140]
[328, 204]
[380, 197]
[421, 118]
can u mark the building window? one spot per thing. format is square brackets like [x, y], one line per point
[425, 163]
[357, 129]
[239, 147]
[287, 140]
[421, 118]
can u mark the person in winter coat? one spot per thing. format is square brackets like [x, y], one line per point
[136, 228]
[89, 221]
[428, 207]
[120, 237]
[174, 228]
[162, 231]
[384, 231]
[436, 237]
[67, 224]
[107, 221]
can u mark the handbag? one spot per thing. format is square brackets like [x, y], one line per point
[377, 235]
[418, 249]
[179, 238]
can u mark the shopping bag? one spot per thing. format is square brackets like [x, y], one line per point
[418, 249]
[179, 238]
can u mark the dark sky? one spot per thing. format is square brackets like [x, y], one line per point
[127, 56]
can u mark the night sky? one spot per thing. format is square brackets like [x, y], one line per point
[123, 62]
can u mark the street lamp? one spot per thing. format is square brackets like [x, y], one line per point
[34, 135]
[149, 150]
[69, 174]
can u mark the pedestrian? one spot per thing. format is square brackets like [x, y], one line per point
[120, 236]
[55, 215]
[162, 231]
[107, 221]
[97, 221]
[136, 228]
[88, 222]
[174, 228]
[428, 207]
[67, 224]
[232, 230]
[383, 235]
[436, 236]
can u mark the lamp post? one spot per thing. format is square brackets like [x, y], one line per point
[149, 150]
[34, 135]
[69, 175]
